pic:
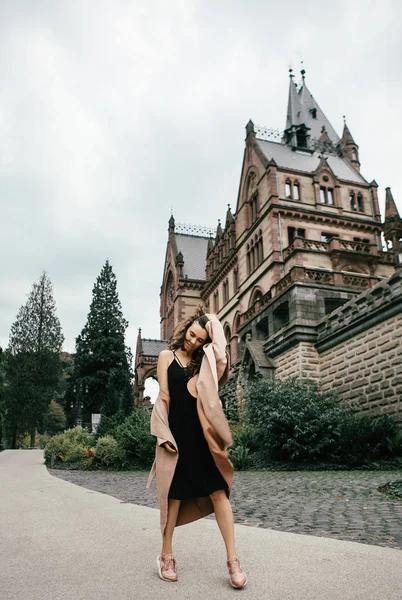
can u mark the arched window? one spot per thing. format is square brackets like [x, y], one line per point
[352, 200]
[296, 191]
[360, 204]
[354, 154]
[288, 189]
[228, 337]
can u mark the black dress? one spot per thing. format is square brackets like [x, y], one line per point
[196, 474]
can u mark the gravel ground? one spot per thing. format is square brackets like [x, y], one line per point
[339, 504]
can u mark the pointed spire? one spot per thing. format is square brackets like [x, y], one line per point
[250, 128]
[219, 231]
[171, 224]
[313, 115]
[390, 206]
[229, 216]
[294, 115]
[139, 341]
[347, 138]
[210, 245]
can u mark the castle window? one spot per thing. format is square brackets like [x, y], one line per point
[354, 154]
[293, 232]
[326, 195]
[254, 208]
[248, 259]
[313, 112]
[281, 316]
[292, 190]
[225, 291]
[360, 205]
[327, 237]
[352, 200]
[235, 280]
[301, 139]
[216, 301]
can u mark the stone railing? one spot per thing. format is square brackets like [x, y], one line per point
[372, 306]
[336, 244]
[256, 307]
[355, 281]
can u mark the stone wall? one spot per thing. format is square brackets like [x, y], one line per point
[366, 371]
[301, 361]
[357, 352]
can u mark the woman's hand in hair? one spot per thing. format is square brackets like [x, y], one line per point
[169, 447]
[210, 316]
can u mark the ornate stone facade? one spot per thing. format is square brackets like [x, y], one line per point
[305, 239]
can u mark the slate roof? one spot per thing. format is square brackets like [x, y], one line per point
[153, 347]
[308, 104]
[301, 105]
[285, 157]
[194, 250]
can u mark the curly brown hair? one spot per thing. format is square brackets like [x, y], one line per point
[179, 335]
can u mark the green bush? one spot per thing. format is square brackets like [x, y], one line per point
[293, 420]
[108, 425]
[245, 442]
[133, 436]
[366, 439]
[108, 453]
[240, 457]
[71, 446]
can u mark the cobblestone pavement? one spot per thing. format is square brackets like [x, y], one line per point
[338, 504]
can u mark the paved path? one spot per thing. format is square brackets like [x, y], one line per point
[338, 504]
[60, 541]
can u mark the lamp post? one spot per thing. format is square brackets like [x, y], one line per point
[79, 390]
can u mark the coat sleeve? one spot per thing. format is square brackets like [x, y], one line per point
[160, 420]
[217, 335]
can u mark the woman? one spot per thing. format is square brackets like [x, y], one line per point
[193, 471]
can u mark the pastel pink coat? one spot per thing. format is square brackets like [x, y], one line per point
[204, 386]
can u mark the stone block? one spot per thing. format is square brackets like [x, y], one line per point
[359, 383]
[396, 381]
[362, 350]
[390, 346]
[376, 377]
[383, 340]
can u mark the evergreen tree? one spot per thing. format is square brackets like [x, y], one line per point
[2, 390]
[33, 362]
[102, 366]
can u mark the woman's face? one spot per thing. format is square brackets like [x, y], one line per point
[196, 336]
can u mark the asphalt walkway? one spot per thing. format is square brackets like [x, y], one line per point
[62, 541]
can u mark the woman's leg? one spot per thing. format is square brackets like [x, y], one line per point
[173, 511]
[224, 518]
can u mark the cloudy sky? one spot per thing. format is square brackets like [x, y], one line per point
[114, 111]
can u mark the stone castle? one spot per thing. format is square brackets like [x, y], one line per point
[304, 275]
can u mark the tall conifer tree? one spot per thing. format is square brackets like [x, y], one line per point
[33, 362]
[102, 365]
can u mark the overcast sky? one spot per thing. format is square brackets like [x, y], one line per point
[112, 112]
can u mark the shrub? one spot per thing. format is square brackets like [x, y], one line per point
[108, 453]
[367, 439]
[245, 435]
[134, 437]
[108, 425]
[244, 443]
[71, 446]
[293, 420]
[240, 457]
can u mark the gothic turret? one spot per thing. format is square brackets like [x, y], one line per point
[393, 226]
[349, 148]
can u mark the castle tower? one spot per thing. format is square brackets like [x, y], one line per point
[393, 227]
[308, 233]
